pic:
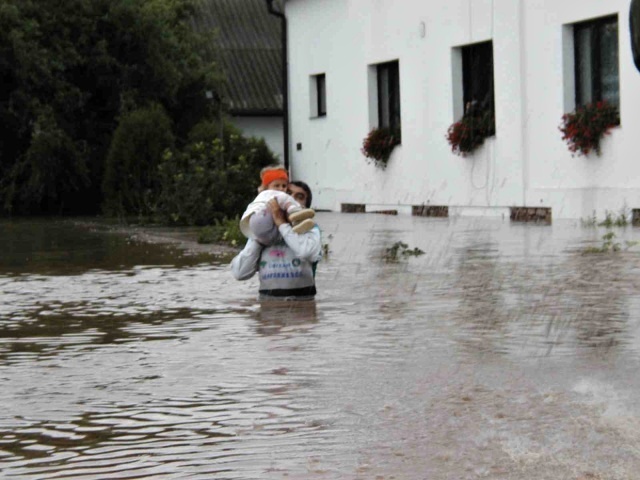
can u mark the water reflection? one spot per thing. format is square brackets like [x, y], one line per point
[276, 317]
[501, 353]
[601, 290]
[70, 247]
[481, 314]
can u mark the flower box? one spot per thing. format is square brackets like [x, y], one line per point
[378, 145]
[584, 128]
[470, 131]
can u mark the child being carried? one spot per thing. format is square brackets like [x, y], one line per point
[257, 221]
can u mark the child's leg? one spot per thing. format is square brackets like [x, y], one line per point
[262, 227]
[303, 226]
[287, 203]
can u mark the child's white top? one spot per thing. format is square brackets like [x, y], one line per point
[260, 202]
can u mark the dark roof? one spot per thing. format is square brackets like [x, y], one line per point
[250, 51]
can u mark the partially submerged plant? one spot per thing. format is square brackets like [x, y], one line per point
[610, 219]
[398, 250]
[589, 222]
[609, 245]
[326, 248]
[226, 231]
[208, 235]
[622, 220]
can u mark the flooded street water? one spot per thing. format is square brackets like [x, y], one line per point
[501, 353]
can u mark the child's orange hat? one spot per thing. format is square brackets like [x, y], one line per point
[273, 175]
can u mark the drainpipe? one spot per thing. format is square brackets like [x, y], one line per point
[634, 26]
[285, 79]
[524, 118]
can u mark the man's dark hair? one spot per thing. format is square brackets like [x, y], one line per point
[306, 189]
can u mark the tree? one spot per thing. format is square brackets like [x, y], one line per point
[70, 71]
[211, 178]
[131, 182]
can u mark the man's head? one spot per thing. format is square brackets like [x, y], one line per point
[301, 192]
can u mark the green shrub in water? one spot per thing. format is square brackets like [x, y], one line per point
[326, 247]
[609, 245]
[589, 222]
[610, 221]
[231, 233]
[226, 231]
[398, 250]
[208, 235]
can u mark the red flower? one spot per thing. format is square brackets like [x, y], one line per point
[469, 132]
[379, 144]
[583, 128]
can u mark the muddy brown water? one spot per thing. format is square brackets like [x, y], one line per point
[501, 353]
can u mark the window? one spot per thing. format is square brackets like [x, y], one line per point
[596, 61]
[322, 95]
[477, 79]
[318, 88]
[388, 81]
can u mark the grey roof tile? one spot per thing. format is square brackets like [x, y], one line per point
[249, 46]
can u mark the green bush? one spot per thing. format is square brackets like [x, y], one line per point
[210, 180]
[205, 131]
[71, 69]
[131, 182]
[231, 232]
[226, 231]
[208, 235]
[48, 174]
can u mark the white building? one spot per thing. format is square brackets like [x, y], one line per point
[340, 49]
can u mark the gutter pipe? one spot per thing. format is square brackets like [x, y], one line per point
[285, 79]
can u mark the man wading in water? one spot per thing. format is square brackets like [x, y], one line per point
[286, 268]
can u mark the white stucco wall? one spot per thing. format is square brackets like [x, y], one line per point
[525, 164]
[576, 186]
[269, 128]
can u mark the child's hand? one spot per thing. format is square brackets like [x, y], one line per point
[277, 214]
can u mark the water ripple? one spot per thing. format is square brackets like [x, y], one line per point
[501, 353]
